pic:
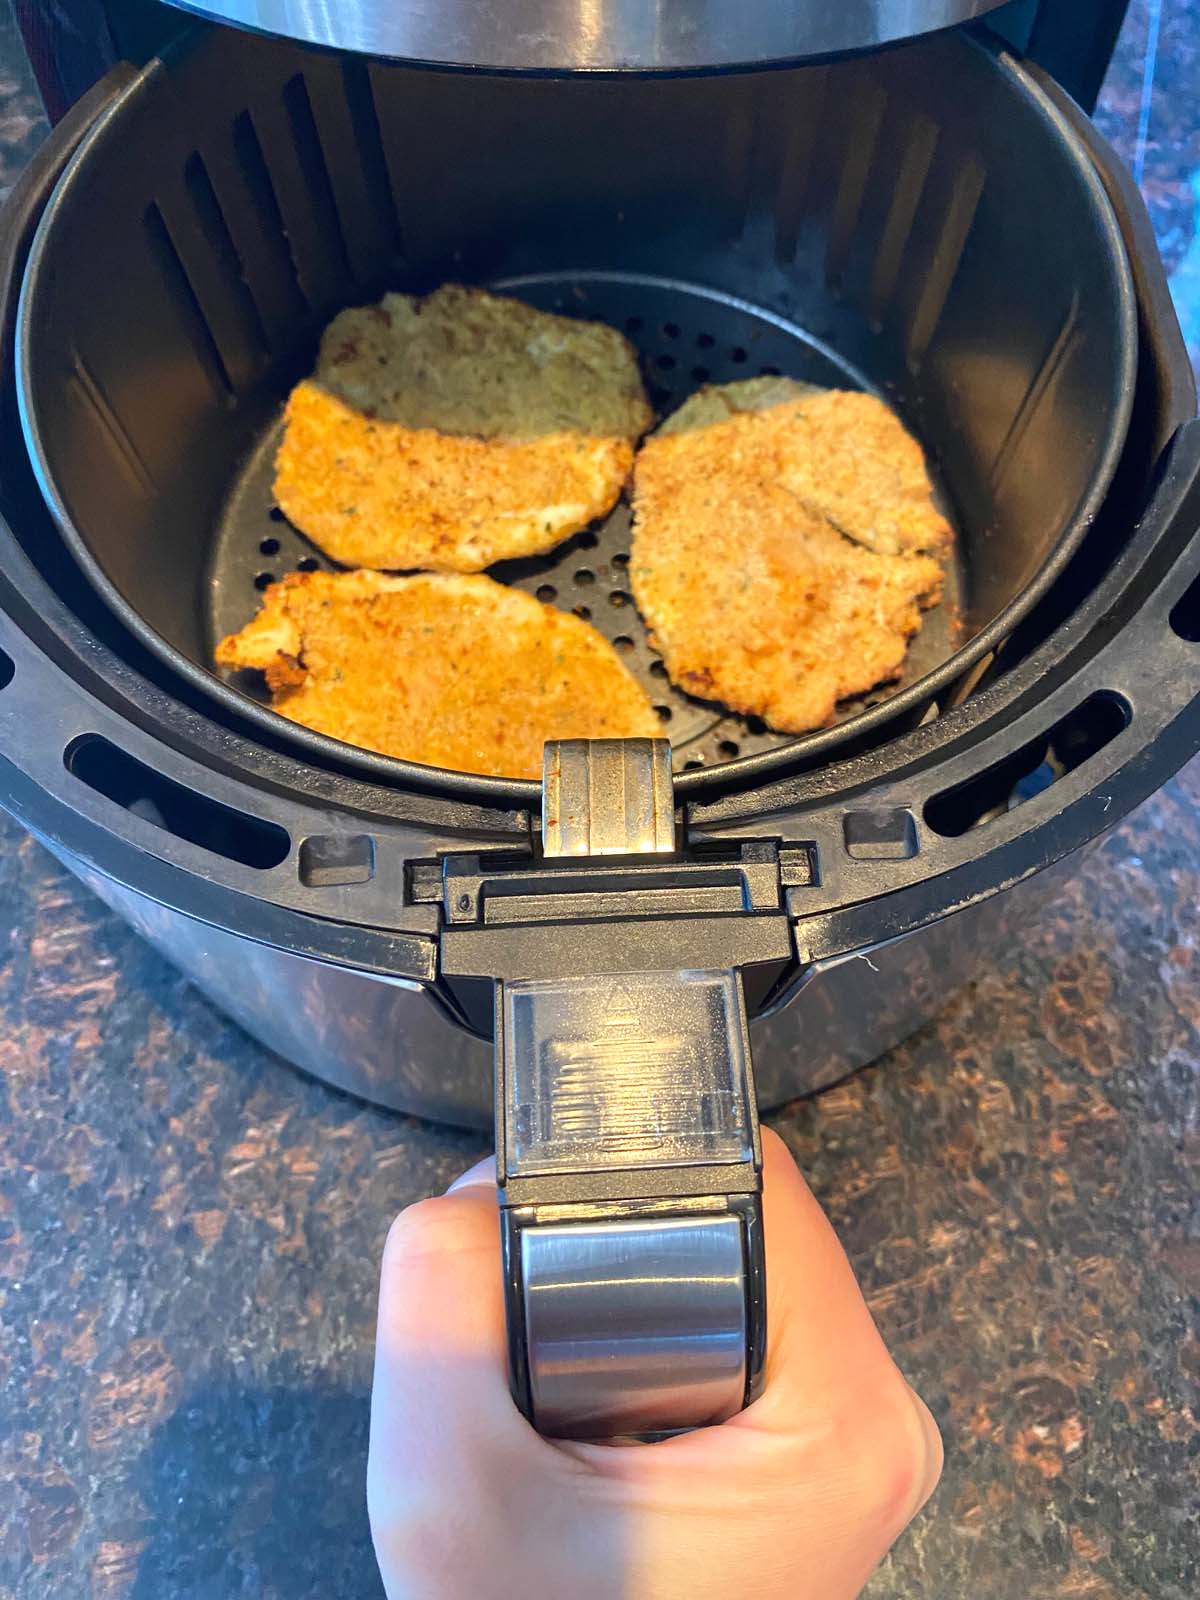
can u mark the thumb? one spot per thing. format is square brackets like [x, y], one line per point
[440, 1388]
[459, 1486]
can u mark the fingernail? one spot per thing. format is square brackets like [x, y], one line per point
[482, 1174]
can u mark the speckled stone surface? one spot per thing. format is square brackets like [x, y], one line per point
[189, 1230]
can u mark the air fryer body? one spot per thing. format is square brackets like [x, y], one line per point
[393, 1041]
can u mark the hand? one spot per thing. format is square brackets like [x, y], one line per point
[799, 1496]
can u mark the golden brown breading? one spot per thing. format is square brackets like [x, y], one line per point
[457, 672]
[844, 453]
[379, 494]
[467, 362]
[753, 598]
[849, 457]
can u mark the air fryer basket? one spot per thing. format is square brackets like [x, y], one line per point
[922, 223]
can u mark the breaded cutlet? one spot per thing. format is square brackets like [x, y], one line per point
[844, 453]
[754, 598]
[378, 494]
[456, 672]
[848, 456]
[454, 431]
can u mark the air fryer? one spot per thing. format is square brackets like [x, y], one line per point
[594, 959]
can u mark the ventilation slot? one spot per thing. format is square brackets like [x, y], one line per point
[737, 162]
[369, 141]
[316, 174]
[852, 181]
[943, 266]
[220, 242]
[805, 124]
[1043, 382]
[1030, 770]
[1185, 615]
[266, 202]
[176, 810]
[897, 231]
[330, 860]
[90, 398]
[183, 297]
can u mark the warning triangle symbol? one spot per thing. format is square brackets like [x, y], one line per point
[620, 1004]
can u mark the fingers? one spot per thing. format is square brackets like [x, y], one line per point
[481, 1175]
[809, 1486]
[934, 1451]
[828, 1370]
[821, 1336]
[806, 1489]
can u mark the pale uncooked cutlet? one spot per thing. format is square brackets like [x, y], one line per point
[464, 361]
[716, 402]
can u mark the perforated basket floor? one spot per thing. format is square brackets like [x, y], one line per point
[686, 337]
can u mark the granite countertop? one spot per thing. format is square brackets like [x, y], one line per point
[189, 1230]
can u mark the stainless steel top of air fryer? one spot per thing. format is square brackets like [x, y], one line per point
[594, 35]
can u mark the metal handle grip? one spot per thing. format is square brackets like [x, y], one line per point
[628, 1156]
[634, 1327]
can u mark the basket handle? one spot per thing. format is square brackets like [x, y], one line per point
[628, 1155]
